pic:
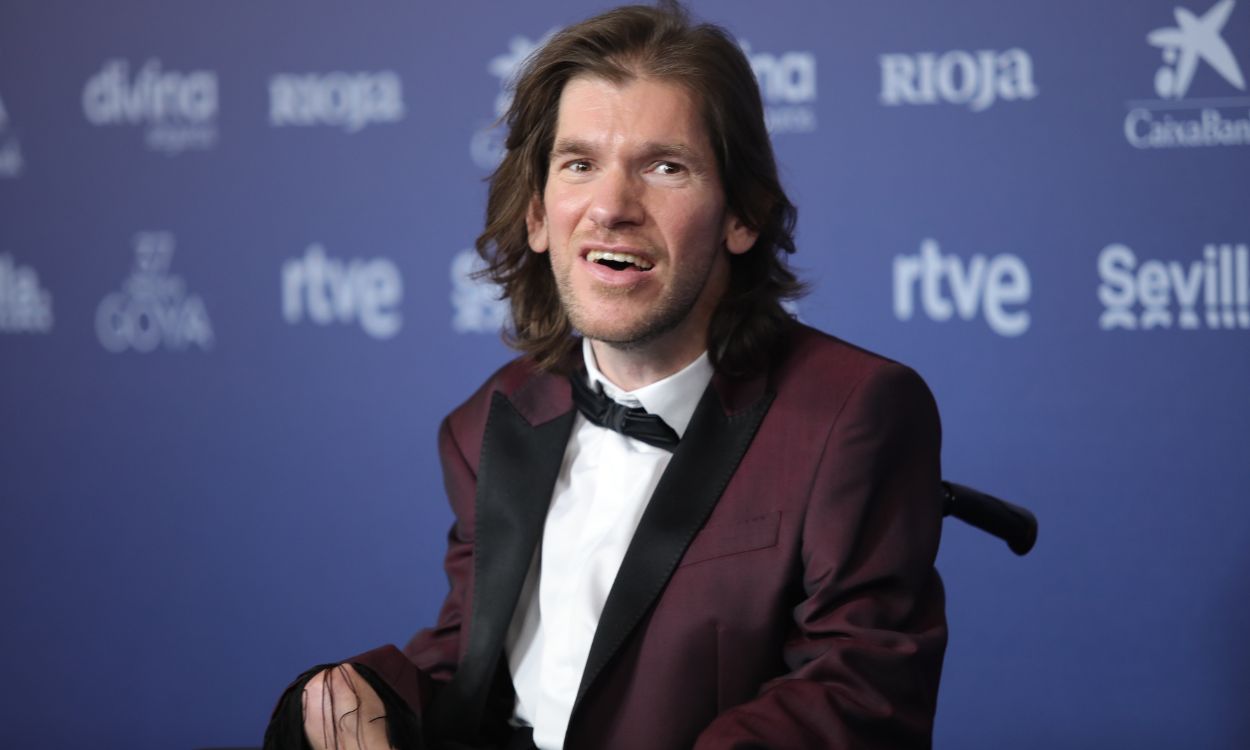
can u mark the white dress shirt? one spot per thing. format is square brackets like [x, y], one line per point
[605, 482]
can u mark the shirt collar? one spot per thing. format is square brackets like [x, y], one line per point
[672, 399]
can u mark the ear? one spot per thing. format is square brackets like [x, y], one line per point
[536, 225]
[738, 236]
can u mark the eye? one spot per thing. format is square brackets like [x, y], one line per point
[578, 166]
[669, 168]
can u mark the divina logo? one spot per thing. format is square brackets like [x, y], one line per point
[475, 302]
[788, 85]
[977, 79]
[330, 291]
[346, 100]
[10, 149]
[1158, 294]
[1195, 44]
[153, 308]
[179, 109]
[997, 287]
[25, 307]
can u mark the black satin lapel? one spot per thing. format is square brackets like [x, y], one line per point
[517, 472]
[701, 467]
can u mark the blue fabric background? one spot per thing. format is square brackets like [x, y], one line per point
[184, 529]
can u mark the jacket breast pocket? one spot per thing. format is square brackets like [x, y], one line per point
[733, 538]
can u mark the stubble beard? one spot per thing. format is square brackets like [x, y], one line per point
[670, 310]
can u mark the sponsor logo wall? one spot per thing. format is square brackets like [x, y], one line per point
[1043, 210]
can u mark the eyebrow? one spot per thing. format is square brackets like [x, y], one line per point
[650, 150]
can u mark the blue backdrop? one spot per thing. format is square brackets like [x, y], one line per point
[234, 305]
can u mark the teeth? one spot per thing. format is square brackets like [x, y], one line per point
[595, 256]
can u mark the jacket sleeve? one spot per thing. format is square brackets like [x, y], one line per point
[865, 649]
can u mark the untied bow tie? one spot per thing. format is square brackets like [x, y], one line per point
[633, 422]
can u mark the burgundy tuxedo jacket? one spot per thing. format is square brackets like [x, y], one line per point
[780, 589]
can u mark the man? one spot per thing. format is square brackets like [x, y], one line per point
[756, 569]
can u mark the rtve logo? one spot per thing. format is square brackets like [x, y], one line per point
[996, 287]
[1168, 293]
[330, 291]
[977, 79]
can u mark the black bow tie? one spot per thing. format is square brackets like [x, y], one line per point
[631, 422]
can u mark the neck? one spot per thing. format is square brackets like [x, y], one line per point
[631, 368]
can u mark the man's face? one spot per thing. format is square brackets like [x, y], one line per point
[634, 213]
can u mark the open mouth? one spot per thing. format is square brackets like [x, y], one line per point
[619, 261]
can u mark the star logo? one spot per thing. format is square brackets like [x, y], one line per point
[1194, 39]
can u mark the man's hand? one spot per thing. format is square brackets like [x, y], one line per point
[341, 712]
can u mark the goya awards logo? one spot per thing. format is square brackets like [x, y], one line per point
[178, 110]
[327, 291]
[25, 307]
[476, 303]
[1211, 290]
[346, 100]
[10, 149]
[996, 288]
[153, 309]
[976, 80]
[1193, 50]
[787, 82]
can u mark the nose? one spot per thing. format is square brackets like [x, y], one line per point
[617, 199]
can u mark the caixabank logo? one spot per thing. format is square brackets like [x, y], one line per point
[1208, 289]
[10, 148]
[178, 111]
[1200, 57]
[153, 309]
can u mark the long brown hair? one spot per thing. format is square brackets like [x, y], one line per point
[620, 45]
